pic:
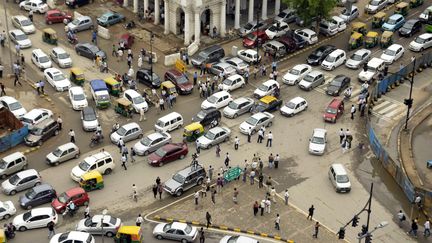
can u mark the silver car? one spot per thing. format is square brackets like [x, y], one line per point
[127, 132]
[223, 67]
[151, 143]
[358, 58]
[238, 64]
[175, 231]
[214, 136]
[81, 23]
[251, 27]
[238, 107]
[63, 153]
[255, 122]
[89, 119]
[93, 225]
[21, 181]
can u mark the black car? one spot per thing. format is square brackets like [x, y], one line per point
[207, 116]
[338, 84]
[410, 27]
[300, 42]
[38, 195]
[270, 105]
[89, 50]
[317, 56]
[42, 132]
[144, 76]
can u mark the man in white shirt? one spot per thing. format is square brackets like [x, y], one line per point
[269, 139]
[139, 220]
[236, 143]
[426, 232]
[286, 196]
[72, 136]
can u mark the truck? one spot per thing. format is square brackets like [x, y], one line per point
[12, 130]
[100, 93]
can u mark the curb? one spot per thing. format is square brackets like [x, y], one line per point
[27, 151]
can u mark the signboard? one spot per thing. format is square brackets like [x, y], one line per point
[232, 174]
[180, 65]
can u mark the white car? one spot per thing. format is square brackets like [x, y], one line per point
[318, 141]
[138, 102]
[23, 23]
[61, 57]
[295, 74]
[308, 35]
[375, 6]
[233, 82]
[347, 15]
[358, 58]
[35, 218]
[101, 162]
[77, 98]
[250, 56]
[421, 42]
[334, 60]
[40, 59]
[256, 121]
[392, 53]
[20, 38]
[38, 6]
[237, 239]
[127, 132]
[266, 88]
[217, 100]
[238, 64]
[340, 23]
[294, 106]
[73, 236]
[13, 106]
[35, 116]
[57, 79]
[7, 209]
[278, 29]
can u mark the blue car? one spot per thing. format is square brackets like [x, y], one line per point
[395, 22]
[110, 18]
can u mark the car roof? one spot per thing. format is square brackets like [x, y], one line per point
[92, 158]
[270, 82]
[394, 47]
[221, 93]
[235, 60]
[395, 16]
[250, 51]
[412, 21]
[67, 146]
[58, 50]
[300, 66]
[362, 51]
[314, 73]
[267, 99]
[33, 113]
[155, 135]
[275, 43]
[20, 17]
[44, 123]
[53, 71]
[338, 167]
[78, 235]
[99, 217]
[171, 146]
[130, 125]
[242, 100]
[42, 187]
[43, 210]
[425, 35]
[308, 31]
[75, 191]
[223, 64]
[375, 61]
[8, 99]
[297, 100]
[319, 132]
[83, 17]
[17, 31]
[26, 173]
[336, 52]
[234, 76]
[132, 93]
[88, 110]
[76, 89]
[259, 115]
[335, 102]
[38, 52]
[178, 225]
[175, 72]
[186, 171]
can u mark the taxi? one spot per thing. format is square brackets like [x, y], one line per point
[267, 103]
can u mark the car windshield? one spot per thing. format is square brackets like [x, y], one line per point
[281, 15]
[84, 166]
[201, 114]
[342, 178]
[260, 107]
[408, 25]
[317, 53]
[233, 239]
[89, 116]
[252, 121]
[331, 110]
[391, 21]
[188, 229]
[103, 18]
[57, 152]
[26, 22]
[75, 22]
[103, 97]
[227, 82]
[251, 36]
[356, 57]
[121, 131]
[58, 77]
[330, 58]
[336, 82]
[263, 87]
[138, 100]
[14, 179]
[2, 164]
[317, 140]
[93, 49]
[160, 152]
[309, 78]
[63, 198]
[88, 222]
[233, 105]
[273, 28]
[294, 71]
[21, 37]
[63, 237]
[63, 55]
[30, 194]
[146, 141]
[345, 12]
[36, 131]
[248, 26]
[43, 59]
[182, 80]
[212, 99]
[27, 215]
[371, 69]
[389, 52]
[79, 97]
[179, 178]
[210, 135]
[290, 105]
[375, 2]
[15, 106]
[420, 40]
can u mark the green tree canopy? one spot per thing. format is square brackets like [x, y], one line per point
[308, 9]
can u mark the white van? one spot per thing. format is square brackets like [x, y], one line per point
[12, 163]
[40, 59]
[339, 178]
[373, 67]
[169, 122]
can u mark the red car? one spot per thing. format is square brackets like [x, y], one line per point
[181, 81]
[255, 38]
[57, 16]
[77, 195]
[167, 153]
[334, 110]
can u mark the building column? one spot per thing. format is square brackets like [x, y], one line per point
[222, 19]
[277, 7]
[146, 4]
[125, 3]
[251, 11]
[237, 15]
[135, 6]
[157, 11]
[264, 10]
[167, 18]
[197, 26]
[187, 35]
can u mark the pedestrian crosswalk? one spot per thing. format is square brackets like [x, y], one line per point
[389, 109]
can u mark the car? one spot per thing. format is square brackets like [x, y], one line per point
[13, 106]
[319, 54]
[101, 162]
[334, 110]
[239, 65]
[168, 153]
[327, 28]
[276, 49]
[348, 15]
[278, 29]
[62, 154]
[78, 195]
[38, 195]
[217, 100]
[300, 42]
[238, 107]
[35, 116]
[40, 59]
[181, 81]
[80, 23]
[127, 132]
[256, 121]
[375, 5]
[334, 60]
[296, 73]
[138, 102]
[175, 231]
[207, 116]
[233, 82]
[151, 142]
[312, 80]
[214, 136]
[18, 37]
[421, 42]
[209, 55]
[392, 53]
[72, 236]
[251, 27]
[289, 43]
[287, 16]
[7, 209]
[93, 225]
[77, 98]
[249, 56]
[61, 57]
[222, 67]
[110, 18]
[178, 184]
[149, 78]
[267, 103]
[12, 163]
[37, 6]
[41, 132]
[308, 35]
[89, 50]
[393, 23]
[266, 88]
[294, 106]
[340, 23]
[23, 23]
[338, 84]
[237, 239]
[21, 181]
[57, 79]
[35, 218]
[256, 38]
[411, 27]
[57, 16]
[318, 141]
[89, 119]
[358, 58]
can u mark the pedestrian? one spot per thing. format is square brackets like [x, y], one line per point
[134, 193]
[123, 161]
[341, 135]
[268, 205]
[260, 136]
[273, 194]
[120, 144]
[1, 70]
[249, 135]
[94, 37]
[139, 220]
[2, 38]
[17, 50]
[414, 228]
[161, 104]
[198, 147]
[269, 139]
[260, 180]
[139, 62]
[22, 61]
[2, 89]
[208, 219]
[353, 110]
[219, 183]
[426, 231]
[160, 190]
[196, 196]
[277, 222]
[274, 65]
[268, 183]
[59, 122]
[235, 195]
[418, 201]
[210, 172]
[227, 160]
[124, 152]
[236, 143]
[316, 228]
[204, 189]
[195, 78]
[311, 212]
[262, 207]
[155, 190]
[286, 196]
[129, 61]
[201, 237]
[142, 115]
[87, 212]
[213, 195]
[51, 230]
[276, 161]
[270, 161]
[255, 208]
[260, 164]
[72, 136]
[42, 86]
[119, 55]
[252, 176]
[401, 217]
[114, 50]
[244, 174]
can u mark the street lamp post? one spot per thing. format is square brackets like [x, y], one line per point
[257, 29]
[368, 234]
[409, 102]
[104, 212]
[7, 31]
[151, 56]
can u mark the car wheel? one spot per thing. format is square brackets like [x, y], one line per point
[269, 124]
[2, 176]
[235, 115]
[13, 192]
[184, 241]
[421, 49]
[242, 85]
[29, 207]
[226, 139]
[140, 136]
[182, 156]
[56, 132]
[107, 171]
[56, 163]
[49, 22]
[253, 131]
[6, 216]
[179, 193]
[23, 228]
[77, 156]
[160, 164]
[159, 237]
[109, 234]
[200, 181]
[91, 26]
[146, 153]
[79, 53]
[209, 146]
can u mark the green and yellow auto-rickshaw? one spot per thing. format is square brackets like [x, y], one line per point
[113, 86]
[355, 41]
[129, 234]
[372, 39]
[193, 131]
[77, 76]
[359, 27]
[2, 236]
[416, 3]
[169, 87]
[124, 107]
[91, 181]
[49, 36]
[378, 19]
[386, 39]
[402, 8]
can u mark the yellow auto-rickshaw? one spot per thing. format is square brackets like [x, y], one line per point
[402, 8]
[356, 40]
[124, 107]
[2, 236]
[378, 19]
[77, 76]
[416, 3]
[193, 131]
[169, 87]
[371, 39]
[113, 86]
[129, 234]
[49, 36]
[359, 27]
[386, 39]
[91, 181]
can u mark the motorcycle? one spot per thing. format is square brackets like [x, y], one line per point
[130, 25]
[96, 139]
[72, 40]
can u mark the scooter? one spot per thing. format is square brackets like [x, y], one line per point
[72, 40]
[96, 140]
[130, 25]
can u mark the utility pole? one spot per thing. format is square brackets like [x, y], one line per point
[257, 29]
[409, 102]
[7, 33]
[151, 56]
